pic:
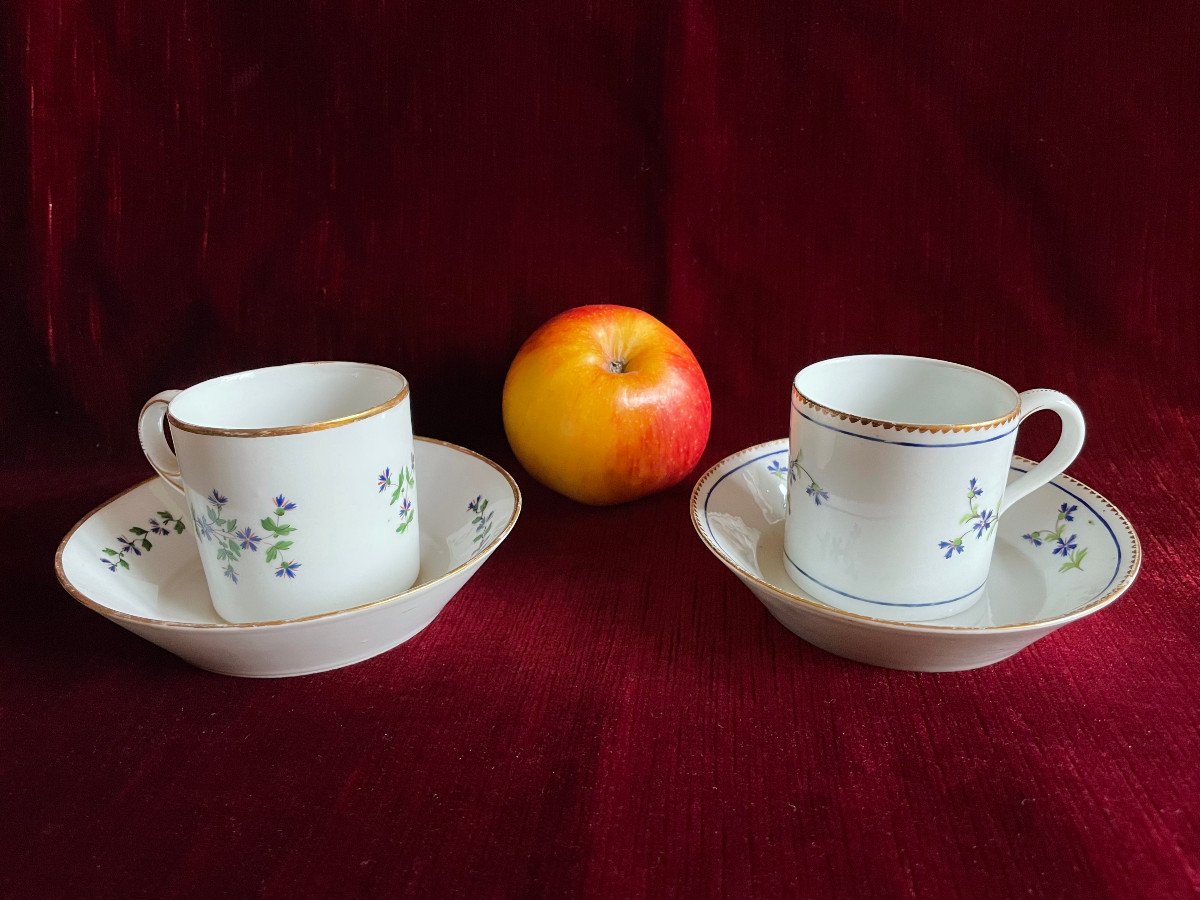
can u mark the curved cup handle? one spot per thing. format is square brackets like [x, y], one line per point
[154, 439]
[1069, 442]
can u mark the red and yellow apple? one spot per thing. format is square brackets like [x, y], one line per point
[606, 404]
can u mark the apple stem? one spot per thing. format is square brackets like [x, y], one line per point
[616, 366]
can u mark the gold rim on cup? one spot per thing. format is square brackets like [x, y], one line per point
[308, 426]
[908, 426]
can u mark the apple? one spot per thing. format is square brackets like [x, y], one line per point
[606, 404]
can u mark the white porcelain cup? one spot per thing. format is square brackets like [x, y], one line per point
[898, 473]
[301, 485]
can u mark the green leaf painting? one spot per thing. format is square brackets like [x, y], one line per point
[981, 519]
[162, 523]
[482, 520]
[1059, 542]
[231, 543]
[401, 483]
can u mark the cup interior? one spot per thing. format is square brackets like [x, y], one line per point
[288, 396]
[908, 390]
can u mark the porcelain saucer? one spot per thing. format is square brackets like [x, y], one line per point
[1032, 590]
[468, 506]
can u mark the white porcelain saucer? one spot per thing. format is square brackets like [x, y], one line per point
[738, 510]
[468, 506]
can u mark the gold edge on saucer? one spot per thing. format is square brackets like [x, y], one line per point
[1135, 563]
[109, 613]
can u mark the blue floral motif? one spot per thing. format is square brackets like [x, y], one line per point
[980, 520]
[792, 473]
[204, 528]
[288, 569]
[951, 547]
[248, 540]
[215, 527]
[401, 483]
[162, 523]
[1066, 547]
[482, 520]
[986, 520]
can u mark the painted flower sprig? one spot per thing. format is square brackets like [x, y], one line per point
[792, 473]
[982, 521]
[1061, 545]
[163, 523]
[401, 483]
[232, 541]
[482, 520]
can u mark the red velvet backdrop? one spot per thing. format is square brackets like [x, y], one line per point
[195, 187]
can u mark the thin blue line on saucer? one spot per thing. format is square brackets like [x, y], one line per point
[783, 451]
[880, 602]
[880, 440]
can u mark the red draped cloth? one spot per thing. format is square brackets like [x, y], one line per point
[190, 188]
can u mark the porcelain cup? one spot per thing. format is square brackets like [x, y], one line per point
[898, 467]
[300, 483]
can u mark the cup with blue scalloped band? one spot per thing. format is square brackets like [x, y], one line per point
[897, 475]
[301, 485]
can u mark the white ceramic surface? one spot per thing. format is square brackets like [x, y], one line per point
[738, 511]
[897, 476]
[469, 505]
[300, 485]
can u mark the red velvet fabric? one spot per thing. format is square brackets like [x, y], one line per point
[193, 188]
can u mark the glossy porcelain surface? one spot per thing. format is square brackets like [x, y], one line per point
[300, 485]
[469, 505]
[1064, 553]
[897, 476]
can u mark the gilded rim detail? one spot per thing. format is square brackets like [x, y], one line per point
[1135, 563]
[291, 429]
[110, 613]
[904, 426]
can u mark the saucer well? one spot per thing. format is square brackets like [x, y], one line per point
[134, 561]
[1037, 582]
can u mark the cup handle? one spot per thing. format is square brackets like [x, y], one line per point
[1070, 442]
[154, 439]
